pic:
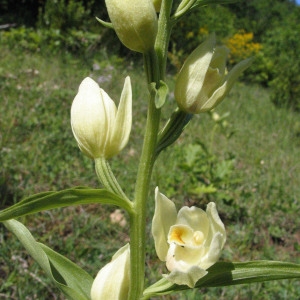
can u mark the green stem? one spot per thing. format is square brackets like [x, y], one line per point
[151, 67]
[138, 217]
[155, 65]
[107, 177]
[163, 36]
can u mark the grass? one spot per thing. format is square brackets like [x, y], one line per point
[248, 164]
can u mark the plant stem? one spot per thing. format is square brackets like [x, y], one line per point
[107, 177]
[138, 217]
[155, 65]
[163, 36]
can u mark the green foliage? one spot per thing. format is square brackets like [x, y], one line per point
[63, 15]
[242, 46]
[52, 41]
[223, 274]
[72, 280]
[32, 13]
[259, 16]
[189, 32]
[50, 200]
[283, 46]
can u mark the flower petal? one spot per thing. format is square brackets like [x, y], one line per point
[224, 89]
[214, 251]
[182, 258]
[122, 126]
[216, 225]
[192, 74]
[88, 121]
[112, 281]
[188, 278]
[219, 59]
[193, 217]
[135, 23]
[164, 217]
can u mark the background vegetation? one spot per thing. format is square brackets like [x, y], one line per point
[244, 156]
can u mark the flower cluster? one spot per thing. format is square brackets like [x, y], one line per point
[190, 240]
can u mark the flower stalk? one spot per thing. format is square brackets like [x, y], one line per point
[155, 65]
[138, 218]
[107, 177]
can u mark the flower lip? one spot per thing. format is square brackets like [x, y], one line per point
[184, 236]
[178, 234]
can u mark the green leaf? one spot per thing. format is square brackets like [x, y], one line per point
[207, 2]
[172, 130]
[186, 6]
[227, 273]
[51, 200]
[161, 94]
[105, 24]
[73, 281]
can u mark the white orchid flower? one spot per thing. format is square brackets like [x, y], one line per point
[190, 241]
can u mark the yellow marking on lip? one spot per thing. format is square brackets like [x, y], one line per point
[176, 235]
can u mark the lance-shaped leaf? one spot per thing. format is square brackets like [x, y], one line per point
[73, 281]
[187, 6]
[227, 273]
[172, 130]
[51, 200]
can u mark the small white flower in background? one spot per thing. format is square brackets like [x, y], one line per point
[112, 281]
[203, 81]
[215, 116]
[190, 242]
[117, 217]
[135, 23]
[100, 129]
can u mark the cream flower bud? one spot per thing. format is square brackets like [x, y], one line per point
[135, 23]
[112, 281]
[100, 129]
[190, 241]
[203, 80]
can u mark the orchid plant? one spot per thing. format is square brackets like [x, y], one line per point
[190, 242]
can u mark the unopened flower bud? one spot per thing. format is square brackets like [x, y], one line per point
[203, 81]
[112, 281]
[135, 23]
[100, 129]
